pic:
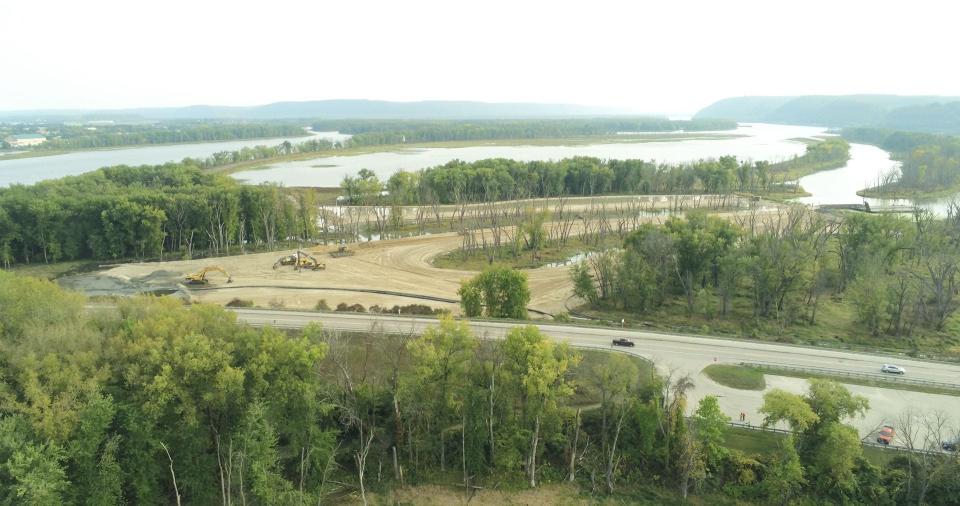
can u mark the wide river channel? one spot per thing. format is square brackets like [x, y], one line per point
[748, 142]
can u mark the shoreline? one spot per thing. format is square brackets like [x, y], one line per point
[895, 193]
[560, 141]
[57, 152]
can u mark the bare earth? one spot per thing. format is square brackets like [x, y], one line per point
[402, 266]
[399, 265]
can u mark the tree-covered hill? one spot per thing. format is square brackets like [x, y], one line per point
[332, 109]
[912, 113]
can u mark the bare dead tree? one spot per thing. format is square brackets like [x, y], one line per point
[176, 490]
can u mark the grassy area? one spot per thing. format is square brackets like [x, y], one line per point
[750, 378]
[547, 494]
[752, 442]
[855, 380]
[755, 442]
[55, 270]
[478, 259]
[784, 194]
[33, 154]
[735, 376]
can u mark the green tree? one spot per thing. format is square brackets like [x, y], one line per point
[710, 427]
[832, 402]
[780, 405]
[471, 299]
[538, 373]
[835, 458]
[583, 285]
[440, 359]
[503, 291]
[784, 479]
[616, 380]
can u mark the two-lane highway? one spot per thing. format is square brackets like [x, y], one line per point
[686, 354]
[669, 350]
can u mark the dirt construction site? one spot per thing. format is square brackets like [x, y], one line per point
[399, 267]
[384, 273]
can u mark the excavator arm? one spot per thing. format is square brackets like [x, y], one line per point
[200, 278]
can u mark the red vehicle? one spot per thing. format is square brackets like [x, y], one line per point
[886, 434]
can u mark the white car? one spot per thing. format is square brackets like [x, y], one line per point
[893, 369]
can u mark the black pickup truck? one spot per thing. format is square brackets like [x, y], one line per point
[622, 341]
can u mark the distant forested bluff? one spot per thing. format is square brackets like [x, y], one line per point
[374, 132]
[70, 137]
[931, 114]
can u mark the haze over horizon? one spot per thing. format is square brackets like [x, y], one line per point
[647, 59]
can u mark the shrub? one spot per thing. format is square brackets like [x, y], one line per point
[322, 305]
[239, 303]
[419, 309]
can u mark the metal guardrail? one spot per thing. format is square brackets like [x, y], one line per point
[879, 377]
[864, 442]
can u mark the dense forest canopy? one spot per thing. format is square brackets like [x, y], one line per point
[138, 212]
[69, 136]
[911, 113]
[151, 402]
[373, 132]
[902, 274]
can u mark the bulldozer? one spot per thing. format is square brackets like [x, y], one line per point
[342, 251]
[200, 278]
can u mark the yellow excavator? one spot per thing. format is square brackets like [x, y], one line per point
[200, 278]
[285, 260]
[308, 261]
[301, 260]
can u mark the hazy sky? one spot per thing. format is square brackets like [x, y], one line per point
[660, 56]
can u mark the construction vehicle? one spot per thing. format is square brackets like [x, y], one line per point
[301, 260]
[308, 261]
[285, 260]
[200, 278]
[342, 251]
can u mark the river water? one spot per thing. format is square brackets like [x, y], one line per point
[32, 170]
[753, 142]
[756, 142]
[867, 164]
